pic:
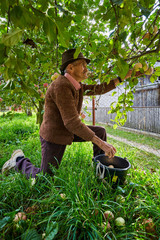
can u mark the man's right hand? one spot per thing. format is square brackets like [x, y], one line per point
[106, 147]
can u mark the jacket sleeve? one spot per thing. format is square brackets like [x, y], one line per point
[97, 89]
[65, 101]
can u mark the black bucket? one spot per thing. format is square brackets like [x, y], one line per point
[116, 175]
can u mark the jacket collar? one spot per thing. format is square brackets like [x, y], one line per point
[73, 81]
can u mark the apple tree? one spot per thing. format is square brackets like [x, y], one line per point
[114, 34]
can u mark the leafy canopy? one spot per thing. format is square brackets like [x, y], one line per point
[114, 34]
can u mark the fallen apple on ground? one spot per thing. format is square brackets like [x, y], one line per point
[149, 225]
[20, 216]
[120, 222]
[106, 225]
[120, 199]
[108, 215]
[63, 195]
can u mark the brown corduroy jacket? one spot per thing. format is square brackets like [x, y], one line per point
[63, 105]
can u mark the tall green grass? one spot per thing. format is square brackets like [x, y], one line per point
[72, 204]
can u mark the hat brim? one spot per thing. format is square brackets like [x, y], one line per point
[64, 65]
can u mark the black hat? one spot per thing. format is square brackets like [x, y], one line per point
[68, 57]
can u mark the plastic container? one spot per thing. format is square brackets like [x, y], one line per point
[116, 175]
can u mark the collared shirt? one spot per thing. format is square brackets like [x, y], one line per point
[73, 81]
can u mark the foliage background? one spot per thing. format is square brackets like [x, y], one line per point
[113, 34]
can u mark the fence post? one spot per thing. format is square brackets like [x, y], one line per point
[93, 111]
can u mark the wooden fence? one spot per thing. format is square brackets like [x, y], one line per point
[142, 118]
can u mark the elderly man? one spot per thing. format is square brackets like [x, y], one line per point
[61, 121]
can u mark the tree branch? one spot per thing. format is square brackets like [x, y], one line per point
[150, 51]
[152, 40]
[144, 53]
[57, 44]
[116, 16]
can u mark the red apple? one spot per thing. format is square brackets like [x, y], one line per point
[108, 215]
[63, 195]
[20, 216]
[149, 225]
[45, 85]
[106, 225]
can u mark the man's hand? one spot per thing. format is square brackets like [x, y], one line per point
[137, 73]
[106, 147]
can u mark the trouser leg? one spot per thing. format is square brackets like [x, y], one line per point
[51, 155]
[101, 133]
[26, 167]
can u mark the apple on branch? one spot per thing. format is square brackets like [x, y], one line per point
[45, 85]
[54, 76]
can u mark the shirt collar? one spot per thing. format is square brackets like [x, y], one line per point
[73, 81]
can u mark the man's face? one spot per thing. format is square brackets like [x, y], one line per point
[79, 70]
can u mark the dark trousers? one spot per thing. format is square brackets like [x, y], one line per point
[52, 154]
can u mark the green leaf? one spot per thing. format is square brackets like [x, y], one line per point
[145, 11]
[22, 17]
[129, 109]
[113, 93]
[49, 28]
[2, 53]
[77, 52]
[4, 5]
[61, 9]
[63, 35]
[153, 78]
[16, 15]
[122, 68]
[157, 71]
[51, 12]
[51, 230]
[115, 126]
[4, 221]
[123, 36]
[31, 234]
[29, 90]
[11, 62]
[19, 67]
[117, 2]
[12, 38]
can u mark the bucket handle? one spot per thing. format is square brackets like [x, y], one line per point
[98, 170]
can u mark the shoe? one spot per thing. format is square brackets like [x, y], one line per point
[11, 163]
